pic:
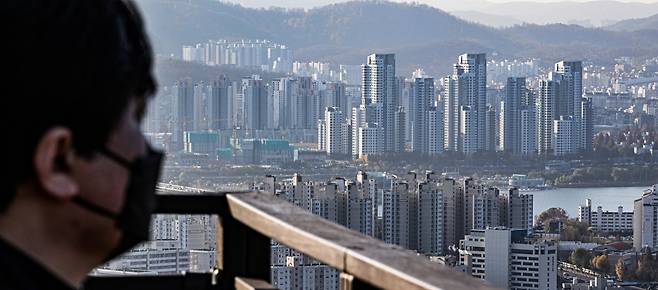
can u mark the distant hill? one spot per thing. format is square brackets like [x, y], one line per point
[590, 13]
[586, 13]
[348, 24]
[493, 20]
[419, 34]
[557, 41]
[636, 24]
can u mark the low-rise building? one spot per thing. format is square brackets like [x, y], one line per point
[163, 261]
[601, 221]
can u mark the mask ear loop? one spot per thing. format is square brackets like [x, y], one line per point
[116, 158]
[94, 208]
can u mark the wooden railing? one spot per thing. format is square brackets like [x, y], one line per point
[247, 222]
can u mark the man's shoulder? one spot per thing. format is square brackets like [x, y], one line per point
[19, 272]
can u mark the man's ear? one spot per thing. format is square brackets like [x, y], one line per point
[52, 157]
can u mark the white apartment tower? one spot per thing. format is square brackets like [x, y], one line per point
[254, 103]
[466, 91]
[333, 133]
[528, 131]
[561, 99]
[570, 76]
[370, 140]
[506, 259]
[563, 134]
[379, 86]
[468, 130]
[645, 220]
[545, 115]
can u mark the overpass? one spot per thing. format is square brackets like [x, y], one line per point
[173, 188]
[639, 81]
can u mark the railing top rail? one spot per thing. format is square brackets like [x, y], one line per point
[370, 260]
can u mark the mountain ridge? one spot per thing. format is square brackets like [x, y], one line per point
[420, 35]
[636, 24]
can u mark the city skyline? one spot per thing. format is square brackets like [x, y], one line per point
[486, 107]
[455, 166]
[331, 145]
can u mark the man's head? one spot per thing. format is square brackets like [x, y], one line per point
[77, 78]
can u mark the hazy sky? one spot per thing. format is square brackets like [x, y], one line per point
[438, 3]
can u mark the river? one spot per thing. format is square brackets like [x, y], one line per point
[570, 198]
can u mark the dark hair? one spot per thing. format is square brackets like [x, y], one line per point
[70, 63]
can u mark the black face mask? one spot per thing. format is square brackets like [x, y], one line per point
[134, 219]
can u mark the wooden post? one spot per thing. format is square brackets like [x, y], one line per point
[241, 252]
[252, 284]
[349, 282]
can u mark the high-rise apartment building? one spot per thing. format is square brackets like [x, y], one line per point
[431, 223]
[560, 99]
[508, 260]
[334, 133]
[564, 131]
[453, 195]
[395, 213]
[570, 76]
[482, 206]
[491, 143]
[219, 104]
[379, 86]
[465, 105]
[399, 129]
[546, 99]
[645, 220]
[254, 103]
[184, 111]
[250, 53]
[518, 209]
[511, 124]
[435, 131]
[528, 130]
[423, 101]
[468, 131]
[370, 140]
[586, 125]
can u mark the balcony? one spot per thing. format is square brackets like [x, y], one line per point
[247, 222]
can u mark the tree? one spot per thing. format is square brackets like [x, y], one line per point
[579, 257]
[647, 267]
[601, 263]
[574, 230]
[620, 269]
[553, 213]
